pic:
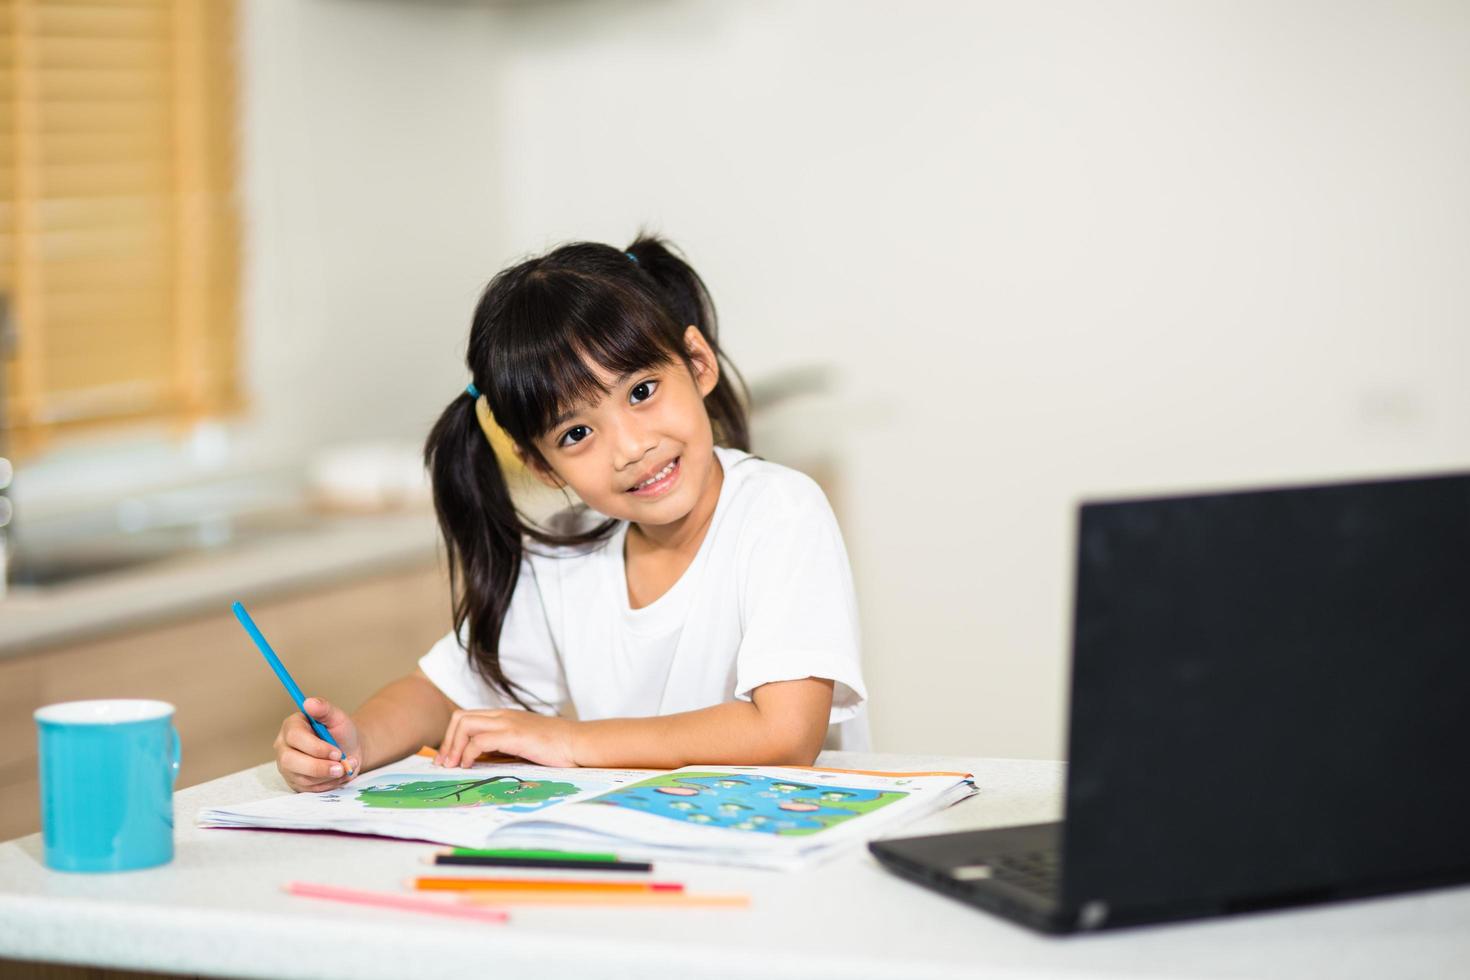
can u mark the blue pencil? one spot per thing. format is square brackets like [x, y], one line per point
[284, 677]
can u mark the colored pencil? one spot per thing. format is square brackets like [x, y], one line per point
[387, 900]
[429, 753]
[520, 852]
[517, 862]
[574, 898]
[284, 676]
[539, 884]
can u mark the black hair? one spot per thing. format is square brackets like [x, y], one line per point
[535, 328]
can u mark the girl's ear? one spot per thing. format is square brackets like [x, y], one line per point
[538, 470]
[706, 365]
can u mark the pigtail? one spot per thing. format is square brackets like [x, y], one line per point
[688, 301]
[482, 535]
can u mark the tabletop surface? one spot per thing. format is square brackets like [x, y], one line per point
[218, 909]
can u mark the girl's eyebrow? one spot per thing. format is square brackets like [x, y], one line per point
[566, 416]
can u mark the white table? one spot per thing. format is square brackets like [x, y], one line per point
[218, 910]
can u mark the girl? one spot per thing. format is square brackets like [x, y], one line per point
[696, 608]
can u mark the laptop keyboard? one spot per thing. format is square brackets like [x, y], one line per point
[1037, 872]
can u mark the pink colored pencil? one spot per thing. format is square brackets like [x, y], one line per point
[388, 900]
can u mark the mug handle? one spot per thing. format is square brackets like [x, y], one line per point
[178, 755]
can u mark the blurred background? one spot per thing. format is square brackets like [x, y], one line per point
[979, 261]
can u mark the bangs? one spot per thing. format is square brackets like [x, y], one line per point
[553, 333]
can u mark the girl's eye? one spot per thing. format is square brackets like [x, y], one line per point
[642, 391]
[575, 435]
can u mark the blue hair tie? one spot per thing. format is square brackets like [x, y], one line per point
[631, 256]
[473, 391]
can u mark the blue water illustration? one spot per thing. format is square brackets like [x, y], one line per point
[748, 802]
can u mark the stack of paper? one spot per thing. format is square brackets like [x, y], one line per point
[754, 816]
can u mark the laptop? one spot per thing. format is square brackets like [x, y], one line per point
[1270, 706]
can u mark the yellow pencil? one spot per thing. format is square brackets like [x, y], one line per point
[612, 898]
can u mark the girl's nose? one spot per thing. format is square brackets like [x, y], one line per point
[634, 443]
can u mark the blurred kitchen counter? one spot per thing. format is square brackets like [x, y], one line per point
[349, 604]
[336, 549]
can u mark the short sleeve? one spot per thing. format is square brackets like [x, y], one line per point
[528, 657]
[797, 606]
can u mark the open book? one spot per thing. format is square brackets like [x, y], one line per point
[780, 817]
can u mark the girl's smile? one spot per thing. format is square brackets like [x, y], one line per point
[661, 482]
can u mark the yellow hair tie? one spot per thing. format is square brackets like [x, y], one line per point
[504, 446]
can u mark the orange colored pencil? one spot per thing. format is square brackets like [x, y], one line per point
[540, 884]
[614, 898]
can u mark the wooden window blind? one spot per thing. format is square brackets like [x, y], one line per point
[119, 233]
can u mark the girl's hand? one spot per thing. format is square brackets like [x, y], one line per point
[310, 765]
[535, 738]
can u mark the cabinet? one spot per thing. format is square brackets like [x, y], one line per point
[342, 641]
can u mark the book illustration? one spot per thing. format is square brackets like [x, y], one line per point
[772, 816]
[747, 802]
[510, 794]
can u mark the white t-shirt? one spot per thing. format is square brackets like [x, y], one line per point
[768, 597]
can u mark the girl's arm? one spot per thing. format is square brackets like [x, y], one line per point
[783, 725]
[402, 718]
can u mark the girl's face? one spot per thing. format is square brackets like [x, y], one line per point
[644, 452]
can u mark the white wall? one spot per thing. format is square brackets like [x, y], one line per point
[372, 200]
[1057, 250]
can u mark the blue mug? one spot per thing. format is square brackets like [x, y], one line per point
[107, 784]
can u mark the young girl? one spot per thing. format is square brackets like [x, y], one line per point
[697, 609]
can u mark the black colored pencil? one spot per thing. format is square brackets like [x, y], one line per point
[509, 862]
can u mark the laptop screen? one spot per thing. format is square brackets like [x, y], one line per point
[1270, 693]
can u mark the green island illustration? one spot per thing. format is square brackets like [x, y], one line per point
[427, 794]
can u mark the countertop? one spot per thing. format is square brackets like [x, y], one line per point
[218, 910]
[336, 548]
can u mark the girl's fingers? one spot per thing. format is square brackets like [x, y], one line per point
[319, 787]
[333, 718]
[487, 739]
[463, 728]
[465, 753]
[301, 738]
[442, 759]
[309, 784]
[453, 743]
[309, 767]
[483, 741]
[462, 724]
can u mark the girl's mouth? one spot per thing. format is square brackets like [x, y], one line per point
[660, 483]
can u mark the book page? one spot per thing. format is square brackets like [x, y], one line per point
[751, 808]
[413, 798]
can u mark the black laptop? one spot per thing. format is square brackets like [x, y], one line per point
[1270, 707]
